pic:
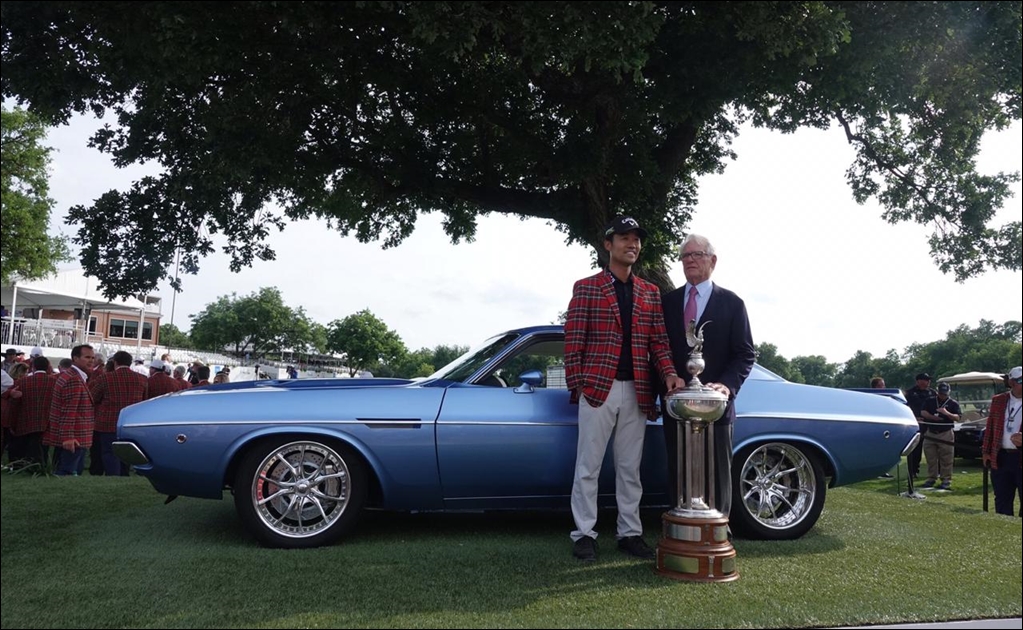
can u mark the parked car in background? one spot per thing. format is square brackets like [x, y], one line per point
[493, 430]
[973, 391]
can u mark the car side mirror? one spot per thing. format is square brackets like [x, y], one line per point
[530, 380]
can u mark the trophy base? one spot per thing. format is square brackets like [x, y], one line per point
[696, 549]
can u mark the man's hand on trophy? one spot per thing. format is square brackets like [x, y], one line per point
[718, 387]
[674, 383]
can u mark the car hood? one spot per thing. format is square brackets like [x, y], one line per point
[301, 383]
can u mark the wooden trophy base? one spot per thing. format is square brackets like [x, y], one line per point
[696, 549]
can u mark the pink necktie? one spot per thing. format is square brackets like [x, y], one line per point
[690, 311]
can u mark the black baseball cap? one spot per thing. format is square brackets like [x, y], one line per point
[923, 376]
[944, 387]
[623, 225]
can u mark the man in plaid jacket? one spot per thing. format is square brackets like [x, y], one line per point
[72, 417]
[160, 382]
[613, 334]
[1003, 442]
[31, 413]
[112, 392]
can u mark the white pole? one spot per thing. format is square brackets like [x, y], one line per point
[14, 305]
[142, 321]
[174, 295]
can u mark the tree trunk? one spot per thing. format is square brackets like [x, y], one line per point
[656, 271]
[597, 213]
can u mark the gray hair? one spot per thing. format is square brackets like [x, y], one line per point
[179, 371]
[702, 241]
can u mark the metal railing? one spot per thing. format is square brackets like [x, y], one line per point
[53, 333]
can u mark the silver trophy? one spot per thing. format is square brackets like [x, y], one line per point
[696, 408]
[695, 543]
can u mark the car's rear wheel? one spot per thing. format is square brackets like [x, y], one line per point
[300, 493]
[778, 491]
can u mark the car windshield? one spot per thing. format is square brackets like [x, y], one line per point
[469, 363]
[760, 373]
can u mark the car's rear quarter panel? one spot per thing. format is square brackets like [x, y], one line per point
[392, 428]
[861, 434]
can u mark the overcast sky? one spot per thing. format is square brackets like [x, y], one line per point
[819, 273]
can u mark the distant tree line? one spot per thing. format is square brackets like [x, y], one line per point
[260, 326]
[987, 348]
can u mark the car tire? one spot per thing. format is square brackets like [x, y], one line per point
[778, 491]
[300, 493]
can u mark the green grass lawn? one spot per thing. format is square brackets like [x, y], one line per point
[100, 552]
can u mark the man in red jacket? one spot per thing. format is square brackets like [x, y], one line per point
[160, 382]
[31, 413]
[112, 392]
[614, 333]
[1003, 442]
[72, 417]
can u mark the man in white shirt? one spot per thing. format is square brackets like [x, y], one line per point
[1002, 444]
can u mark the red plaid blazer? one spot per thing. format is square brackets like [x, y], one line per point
[6, 409]
[31, 412]
[161, 383]
[72, 416]
[593, 339]
[112, 392]
[995, 428]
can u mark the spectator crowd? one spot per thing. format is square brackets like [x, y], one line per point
[73, 409]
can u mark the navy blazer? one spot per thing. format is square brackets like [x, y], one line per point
[727, 340]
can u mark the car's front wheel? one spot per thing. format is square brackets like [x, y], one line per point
[300, 493]
[778, 491]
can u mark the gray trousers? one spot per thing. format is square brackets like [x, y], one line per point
[939, 456]
[620, 415]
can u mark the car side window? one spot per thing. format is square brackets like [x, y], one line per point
[546, 356]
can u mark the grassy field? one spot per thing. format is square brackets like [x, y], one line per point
[100, 552]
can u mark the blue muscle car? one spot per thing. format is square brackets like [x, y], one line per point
[492, 430]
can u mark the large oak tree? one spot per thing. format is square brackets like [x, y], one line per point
[369, 113]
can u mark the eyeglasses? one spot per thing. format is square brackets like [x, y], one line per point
[694, 255]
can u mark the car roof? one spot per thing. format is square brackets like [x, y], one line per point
[537, 329]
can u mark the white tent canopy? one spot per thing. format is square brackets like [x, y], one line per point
[66, 290]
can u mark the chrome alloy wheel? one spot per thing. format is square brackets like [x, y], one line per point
[778, 485]
[300, 489]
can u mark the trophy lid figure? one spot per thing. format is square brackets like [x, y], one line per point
[695, 365]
